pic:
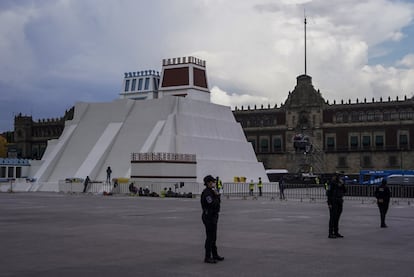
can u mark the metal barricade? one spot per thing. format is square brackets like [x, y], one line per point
[313, 192]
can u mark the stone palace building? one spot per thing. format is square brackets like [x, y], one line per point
[309, 134]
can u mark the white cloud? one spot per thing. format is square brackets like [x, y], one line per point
[407, 61]
[221, 97]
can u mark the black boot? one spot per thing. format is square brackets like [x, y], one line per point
[209, 260]
[218, 258]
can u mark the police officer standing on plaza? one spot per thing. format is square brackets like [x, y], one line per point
[260, 186]
[210, 203]
[219, 185]
[383, 195]
[335, 193]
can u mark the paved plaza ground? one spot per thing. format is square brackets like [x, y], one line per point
[53, 234]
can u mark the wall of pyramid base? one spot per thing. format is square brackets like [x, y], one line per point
[108, 134]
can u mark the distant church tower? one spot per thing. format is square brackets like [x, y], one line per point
[185, 77]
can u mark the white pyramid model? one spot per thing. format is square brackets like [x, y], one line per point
[106, 134]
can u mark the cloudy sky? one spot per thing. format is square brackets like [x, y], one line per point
[54, 53]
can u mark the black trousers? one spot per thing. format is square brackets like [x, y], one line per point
[335, 212]
[210, 246]
[383, 208]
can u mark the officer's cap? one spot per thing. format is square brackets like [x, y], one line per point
[209, 178]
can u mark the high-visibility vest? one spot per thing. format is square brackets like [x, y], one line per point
[219, 184]
[260, 184]
[251, 186]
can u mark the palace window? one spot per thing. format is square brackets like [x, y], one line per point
[378, 116]
[370, 116]
[267, 122]
[146, 86]
[277, 144]
[127, 85]
[330, 143]
[406, 115]
[133, 85]
[10, 170]
[264, 145]
[345, 117]
[18, 172]
[403, 140]
[366, 141]
[140, 84]
[354, 117]
[394, 115]
[379, 140]
[362, 116]
[339, 117]
[3, 172]
[353, 142]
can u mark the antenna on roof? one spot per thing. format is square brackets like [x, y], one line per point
[304, 15]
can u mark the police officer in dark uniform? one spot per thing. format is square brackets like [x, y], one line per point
[335, 193]
[383, 195]
[210, 203]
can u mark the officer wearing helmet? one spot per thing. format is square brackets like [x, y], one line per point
[335, 193]
[383, 195]
[210, 203]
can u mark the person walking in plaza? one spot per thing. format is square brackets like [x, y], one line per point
[108, 174]
[260, 186]
[282, 188]
[210, 203]
[335, 193]
[86, 183]
[383, 195]
[251, 187]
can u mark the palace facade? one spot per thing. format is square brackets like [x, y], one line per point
[309, 134]
[29, 139]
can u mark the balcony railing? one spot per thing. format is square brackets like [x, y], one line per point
[163, 156]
